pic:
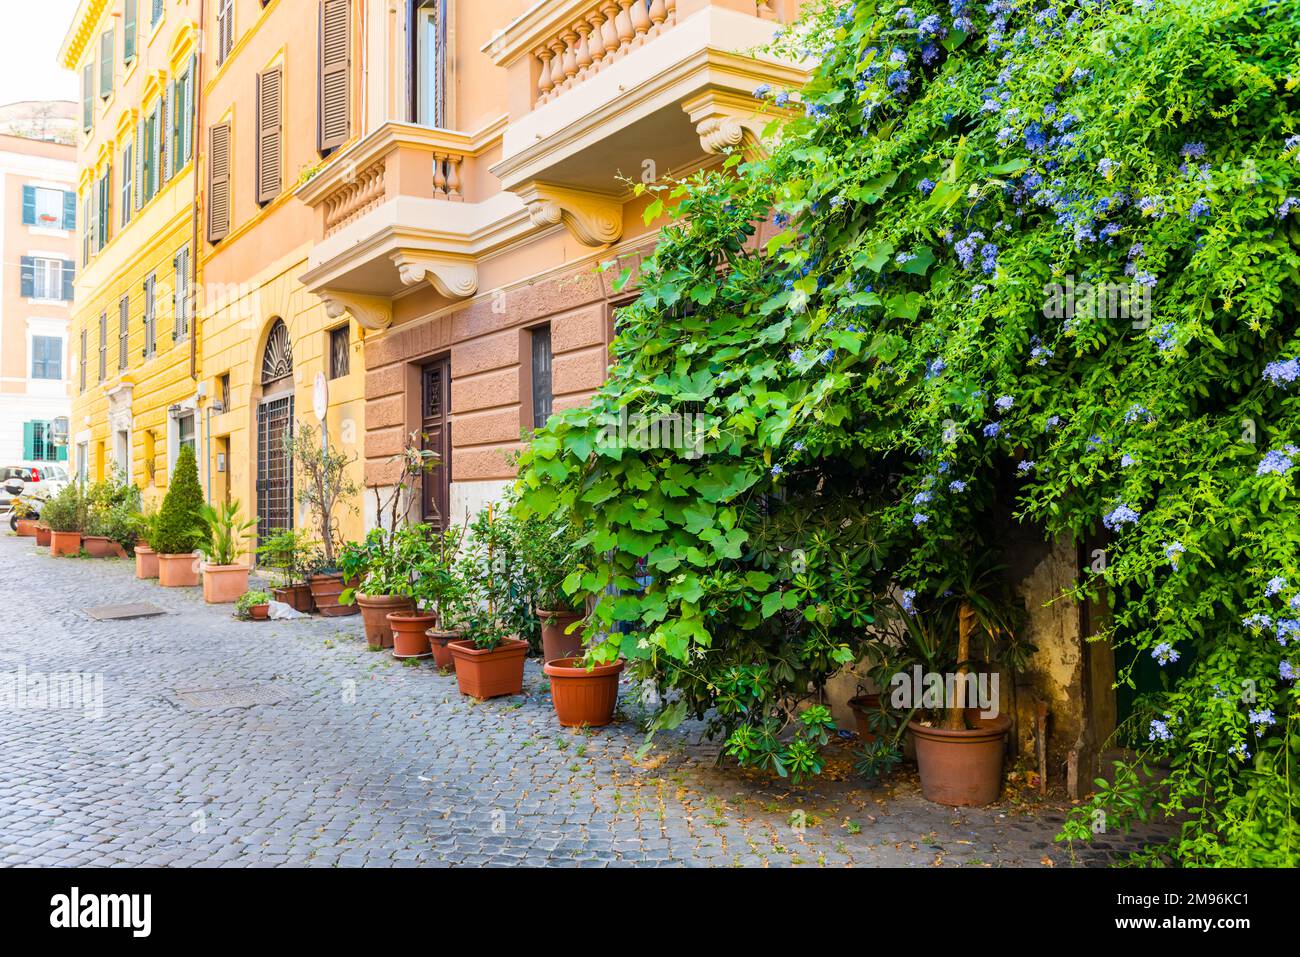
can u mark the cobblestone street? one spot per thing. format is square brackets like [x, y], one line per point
[355, 759]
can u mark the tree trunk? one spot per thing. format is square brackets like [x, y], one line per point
[957, 708]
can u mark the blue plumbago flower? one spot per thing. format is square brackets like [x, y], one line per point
[1035, 138]
[1004, 402]
[780, 219]
[1277, 461]
[762, 90]
[1241, 751]
[1192, 150]
[1151, 206]
[1295, 602]
[1275, 586]
[909, 597]
[1026, 466]
[906, 15]
[903, 259]
[777, 470]
[1106, 167]
[931, 26]
[1287, 205]
[992, 429]
[1257, 622]
[1145, 279]
[827, 357]
[919, 519]
[1287, 629]
[796, 356]
[898, 80]
[1282, 372]
[1080, 75]
[1173, 550]
[1291, 143]
[1052, 422]
[1263, 717]
[897, 55]
[977, 290]
[798, 446]
[1159, 731]
[921, 498]
[1120, 516]
[1200, 209]
[1136, 411]
[989, 258]
[1127, 461]
[956, 485]
[1164, 653]
[1285, 671]
[1094, 440]
[782, 98]
[925, 186]
[935, 368]
[965, 248]
[1165, 338]
[943, 468]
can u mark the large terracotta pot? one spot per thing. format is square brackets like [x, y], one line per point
[297, 597]
[223, 584]
[555, 643]
[374, 616]
[146, 562]
[961, 768]
[325, 591]
[490, 674]
[99, 546]
[42, 535]
[178, 571]
[65, 543]
[583, 698]
[409, 638]
[27, 527]
[440, 643]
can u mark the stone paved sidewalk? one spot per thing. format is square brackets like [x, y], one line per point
[361, 760]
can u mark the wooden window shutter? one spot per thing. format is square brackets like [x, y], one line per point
[334, 98]
[106, 64]
[168, 106]
[29, 205]
[218, 182]
[128, 30]
[88, 96]
[139, 164]
[28, 277]
[69, 209]
[270, 91]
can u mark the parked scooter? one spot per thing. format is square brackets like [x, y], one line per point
[21, 505]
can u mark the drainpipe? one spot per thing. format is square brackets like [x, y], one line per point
[197, 127]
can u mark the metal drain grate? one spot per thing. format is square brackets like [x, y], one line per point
[124, 612]
[237, 696]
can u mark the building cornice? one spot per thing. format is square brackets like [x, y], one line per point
[80, 31]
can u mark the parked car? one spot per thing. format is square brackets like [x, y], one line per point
[41, 480]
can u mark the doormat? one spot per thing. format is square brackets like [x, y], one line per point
[236, 696]
[124, 612]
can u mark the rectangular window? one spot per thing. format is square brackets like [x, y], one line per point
[340, 352]
[47, 357]
[225, 29]
[429, 51]
[83, 359]
[105, 197]
[38, 444]
[43, 278]
[87, 232]
[103, 346]
[182, 121]
[185, 431]
[46, 207]
[149, 154]
[87, 96]
[106, 65]
[157, 13]
[123, 331]
[181, 303]
[150, 316]
[223, 391]
[128, 159]
[541, 368]
[128, 30]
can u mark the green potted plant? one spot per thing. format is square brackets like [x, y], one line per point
[225, 578]
[25, 520]
[490, 657]
[442, 591]
[178, 534]
[144, 525]
[109, 507]
[65, 514]
[254, 605]
[382, 564]
[553, 549]
[287, 552]
[323, 486]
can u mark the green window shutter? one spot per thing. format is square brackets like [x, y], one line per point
[106, 64]
[166, 154]
[128, 30]
[69, 275]
[88, 96]
[28, 274]
[139, 164]
[29, 205]
[29, 441]
[61, 453]
[69, 210]
[187, 133]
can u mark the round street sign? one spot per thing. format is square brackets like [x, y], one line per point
[320, 397]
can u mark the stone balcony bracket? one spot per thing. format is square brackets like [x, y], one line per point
[455, 278]
[594, 218]
[371, 312]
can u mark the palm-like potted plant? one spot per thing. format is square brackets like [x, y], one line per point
[324, 486]
[145, 525]
[287, 552]
[490, 657]
[224, 532]
[178, 533]
[65, 514]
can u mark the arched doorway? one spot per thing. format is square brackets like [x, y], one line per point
[274, 424]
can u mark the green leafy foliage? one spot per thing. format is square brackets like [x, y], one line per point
[1018, 266]
[222, 532]
[179, 529]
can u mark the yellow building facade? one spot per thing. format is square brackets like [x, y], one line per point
[136, 396]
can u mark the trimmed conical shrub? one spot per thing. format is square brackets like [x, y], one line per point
[179, 529]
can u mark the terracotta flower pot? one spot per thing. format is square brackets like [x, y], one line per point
[374, 616]
[259, 612]
[42, 535]
[961, 768]
[27, 527]
[440, 642]
[862, 706]
[325, 591]
[297, 597]
[65, 543]
[583, 698]
[178, 571]
[99, 546]
[490, 674]
[223, 584]
[146, 562]
[409, 638]
[555, 643]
